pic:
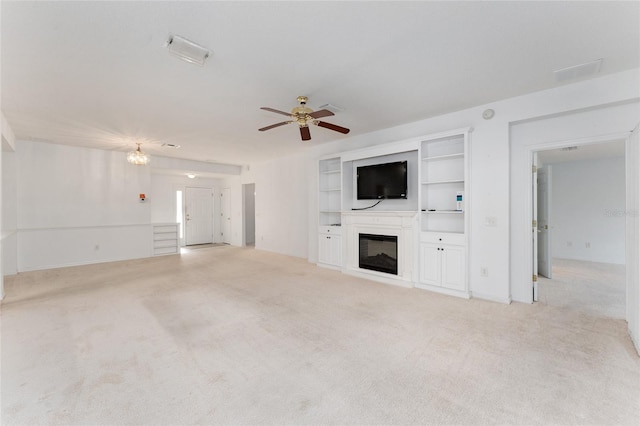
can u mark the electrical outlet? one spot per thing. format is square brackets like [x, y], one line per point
[484, 271]
[490, 221]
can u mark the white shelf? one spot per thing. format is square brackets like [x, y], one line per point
[443, 157]
[439, 182]
[165, 239]
[443, 212]
[330, 172]
[329, 191]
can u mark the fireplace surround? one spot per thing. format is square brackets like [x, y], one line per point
[400, 226]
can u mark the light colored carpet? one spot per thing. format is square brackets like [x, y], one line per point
[228, 335]
[594, 288]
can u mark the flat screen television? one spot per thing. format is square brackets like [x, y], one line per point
[382, 181]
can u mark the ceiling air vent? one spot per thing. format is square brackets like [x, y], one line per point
[578, 71]
[170, 145]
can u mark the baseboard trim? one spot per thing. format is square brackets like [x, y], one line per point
[491, 298]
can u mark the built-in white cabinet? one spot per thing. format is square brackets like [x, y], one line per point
[444, 213]
[443, 261]
[165, 238]
[330, 246]
[330, 212]
[432, 244]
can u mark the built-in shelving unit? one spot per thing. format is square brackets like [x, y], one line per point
[443, 216]
[329, 191]
[443, 183]
[330, 212]
[165, 239]
[432, 222]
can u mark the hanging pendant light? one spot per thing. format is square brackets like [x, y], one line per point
[138, 157]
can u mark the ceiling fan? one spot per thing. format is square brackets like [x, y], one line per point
[302, 115]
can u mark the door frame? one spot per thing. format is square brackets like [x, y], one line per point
[225, 238]
[525, 227]
[544, 227]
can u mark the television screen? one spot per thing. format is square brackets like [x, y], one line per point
[382, 181]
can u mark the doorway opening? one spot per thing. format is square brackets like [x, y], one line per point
[249, 213]
[578, 231]
[225, 215]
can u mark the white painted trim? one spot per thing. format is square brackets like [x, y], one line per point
[529, 152]
[60, 228]
[378, 276]
[7, 233]
[490, 298]
[405, 145]
[71, 264]
[443, 290]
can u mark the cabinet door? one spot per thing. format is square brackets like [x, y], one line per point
[336, 250]
[453, 267]
[430, 264]
[324, 248]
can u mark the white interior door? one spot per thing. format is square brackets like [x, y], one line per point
[534, 225]
[225, 213]
[544, 227]
[198, 216]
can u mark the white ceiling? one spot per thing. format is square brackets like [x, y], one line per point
[96, 73]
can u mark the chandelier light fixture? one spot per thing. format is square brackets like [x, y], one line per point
[138, 157]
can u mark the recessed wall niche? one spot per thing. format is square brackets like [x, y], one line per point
[350, 200]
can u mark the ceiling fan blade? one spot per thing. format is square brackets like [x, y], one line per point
[275, 125]
[321, 113]
[276, 111]
[333, 127]
[305, 133]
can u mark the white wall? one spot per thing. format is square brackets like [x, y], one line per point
[599, 123]
[78, 205]
[587, 209]
[490, 149]
[282, 205]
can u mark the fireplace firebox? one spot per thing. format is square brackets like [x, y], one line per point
[379, 253]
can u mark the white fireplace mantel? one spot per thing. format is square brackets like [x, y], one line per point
[401, 224]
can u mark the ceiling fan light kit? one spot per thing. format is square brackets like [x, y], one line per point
[302, 116]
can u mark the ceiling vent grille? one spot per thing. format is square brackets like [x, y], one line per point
[588, 69]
